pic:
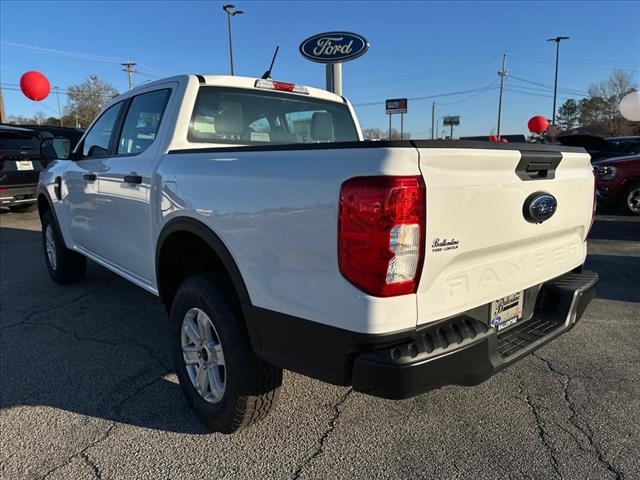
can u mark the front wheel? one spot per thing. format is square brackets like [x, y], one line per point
[225, 383]
[64, 265]
[631, 198]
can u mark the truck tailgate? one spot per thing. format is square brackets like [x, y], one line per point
[479, 246]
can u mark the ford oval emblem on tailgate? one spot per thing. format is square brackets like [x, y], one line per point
[539, 206]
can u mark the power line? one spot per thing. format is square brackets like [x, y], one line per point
[523, 91]
[491, 87]
[589, 62]
[548, 87]
[64, 53]
[461, 92]
[13, 87]
[419, 73]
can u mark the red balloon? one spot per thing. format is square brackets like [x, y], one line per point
[504, 140]
[493, 138]
[538, 124]
[35, 85]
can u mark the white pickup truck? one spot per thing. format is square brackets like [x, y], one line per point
[278, 238]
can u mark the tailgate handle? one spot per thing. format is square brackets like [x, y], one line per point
[537, 165]
[132, 179]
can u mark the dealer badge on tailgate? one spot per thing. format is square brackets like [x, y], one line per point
[506, 311]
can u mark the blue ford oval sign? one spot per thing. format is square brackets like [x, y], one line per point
[334, 47]
[539, 206]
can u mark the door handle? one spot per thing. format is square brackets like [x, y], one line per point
[90, 177]
[132, 179]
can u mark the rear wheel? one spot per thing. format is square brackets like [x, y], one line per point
[225, 383]
[64, 265]
[631, 198]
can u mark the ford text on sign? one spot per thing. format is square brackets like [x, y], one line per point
[396, 105]
[333, 47]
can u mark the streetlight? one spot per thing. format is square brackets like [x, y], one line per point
[555, 85]
[230, 13]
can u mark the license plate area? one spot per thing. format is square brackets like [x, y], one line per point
[24, 165]
[506, 311]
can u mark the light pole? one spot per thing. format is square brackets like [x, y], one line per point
[230, 13]
[555, 85]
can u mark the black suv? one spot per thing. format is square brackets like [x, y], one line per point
[21, 160]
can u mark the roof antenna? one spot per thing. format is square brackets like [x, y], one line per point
[266, 75]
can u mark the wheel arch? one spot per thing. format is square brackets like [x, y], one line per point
[205, 234]
[44, 204]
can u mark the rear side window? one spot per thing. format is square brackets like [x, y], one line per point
[248, 117]
[96, 142]
[142, 122]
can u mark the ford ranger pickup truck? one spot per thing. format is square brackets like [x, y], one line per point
[279, 239]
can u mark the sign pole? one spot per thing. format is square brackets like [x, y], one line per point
[451, 136]
[329, 77]
[389, 126]
[433, 120]
[401, 126]
[333, 76]
[337, 78]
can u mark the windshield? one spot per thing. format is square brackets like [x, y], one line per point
[248, 117]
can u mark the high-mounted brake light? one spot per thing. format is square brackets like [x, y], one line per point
[282, 86]
[381, 233]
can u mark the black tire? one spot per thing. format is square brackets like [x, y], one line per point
[251, 386]
[70, 266]
[631, 190]
[23, 208]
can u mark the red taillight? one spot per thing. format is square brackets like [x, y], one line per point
[381, 232]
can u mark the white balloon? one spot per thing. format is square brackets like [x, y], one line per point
[630, 106]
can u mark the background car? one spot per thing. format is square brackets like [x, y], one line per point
[602, 148]
[618, 180]
[21, 160]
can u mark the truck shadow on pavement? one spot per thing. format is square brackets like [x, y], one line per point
[98, 348]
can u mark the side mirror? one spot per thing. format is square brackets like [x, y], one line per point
[55, 148]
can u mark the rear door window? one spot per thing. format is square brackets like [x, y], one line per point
[142, 122]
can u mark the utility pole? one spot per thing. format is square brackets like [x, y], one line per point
[502, 73]
[59, 109]
[3, 117]
[230, 13]
[555, 85]
[128, 67]
[433, 120]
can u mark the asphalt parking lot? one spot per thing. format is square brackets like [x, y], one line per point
[87, 391]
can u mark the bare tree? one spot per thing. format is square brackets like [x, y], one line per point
[87, 99]
[602, 106]
[373, 134]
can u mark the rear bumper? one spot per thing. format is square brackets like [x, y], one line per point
[462, 350]
[20, 195]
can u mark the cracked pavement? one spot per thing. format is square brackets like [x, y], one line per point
[87, 391]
